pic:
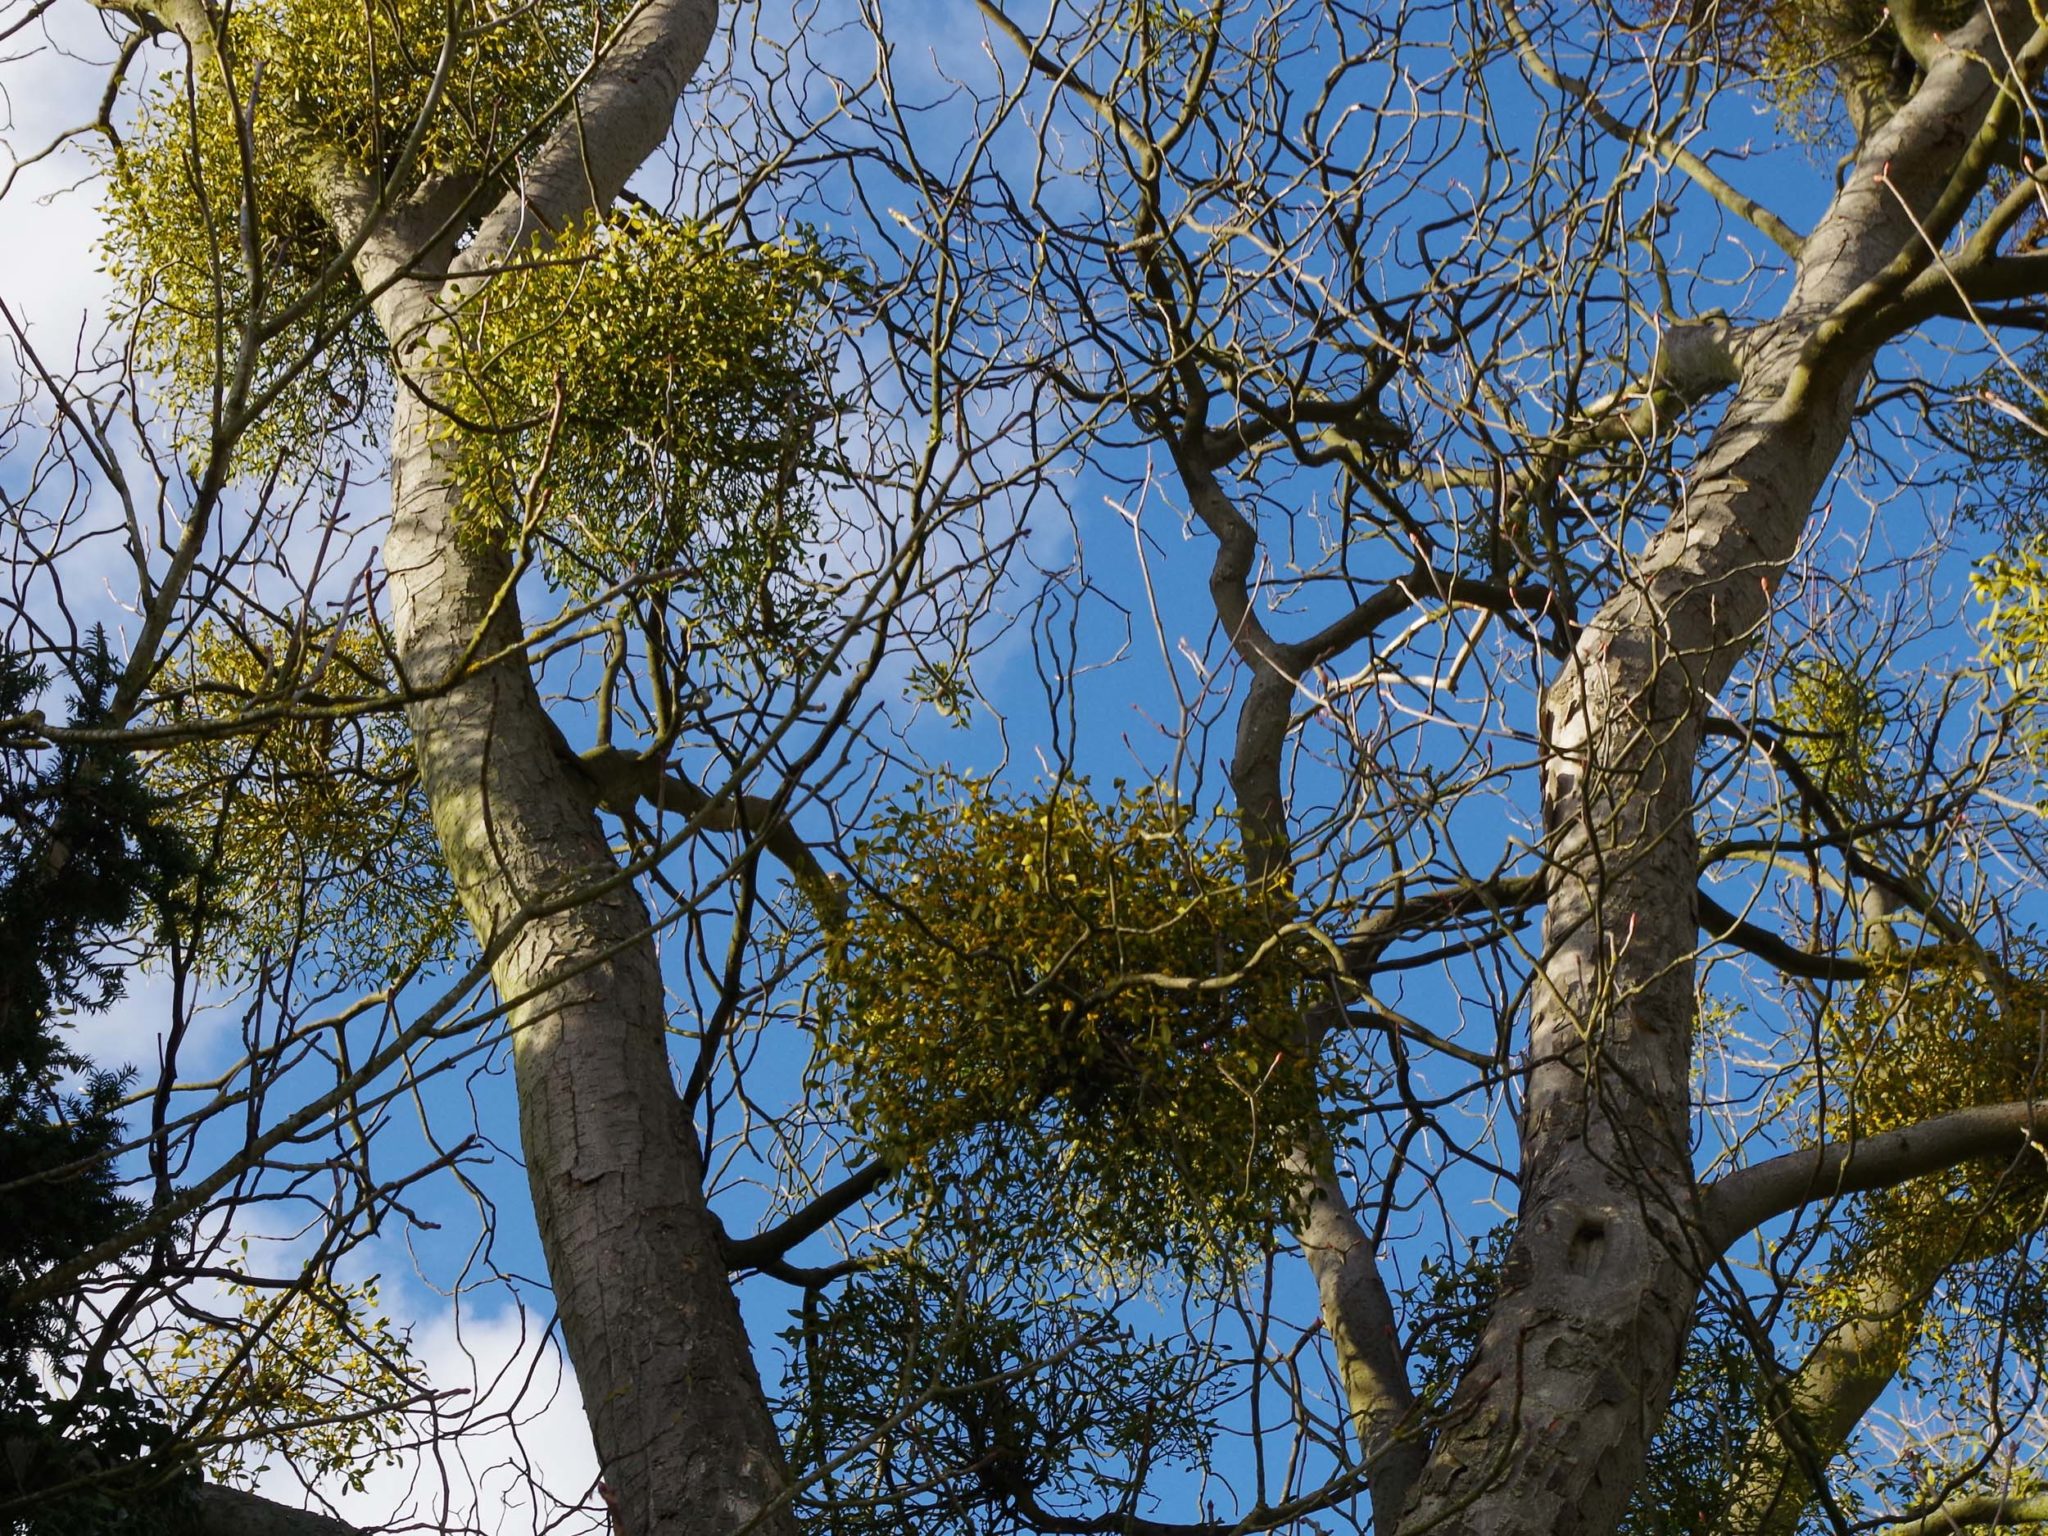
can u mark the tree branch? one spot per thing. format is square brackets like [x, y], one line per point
[232, 1512]
[1364, 620]
[1751, 1196]
[764, 1247]
[622, 113]
[624, 780]
[1810, 1416]
[1359, 1315]
[1975, 1509]
[1703, 175]
[1724, 927]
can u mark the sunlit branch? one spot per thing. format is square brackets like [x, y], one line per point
[1708, 179]
[1965, 1510]
[756, 1251]
[1745, 1199]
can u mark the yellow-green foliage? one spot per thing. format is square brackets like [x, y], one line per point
[357, 79]
[1940, 1038]
[1909, 1045]
[1808, 53]
[176, 207]
[2012, 587]
[1797, 44]
[317, 825]
[300, 87]
[1079, 1007]
[635, 393]
[1169, 33]
[648, 400]
[317, 1374]
[1834, 722]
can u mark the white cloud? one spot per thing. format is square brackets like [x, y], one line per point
[504, 1450]
[512, 1453]
[53, 281]
[130, 1033]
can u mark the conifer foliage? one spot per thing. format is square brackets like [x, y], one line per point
[85, 859]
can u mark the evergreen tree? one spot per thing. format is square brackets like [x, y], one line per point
[82, 864]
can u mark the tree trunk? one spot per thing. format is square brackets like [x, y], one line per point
[1549, 1427]
[682, 1428]
[653, 1328]
[1358, 1315]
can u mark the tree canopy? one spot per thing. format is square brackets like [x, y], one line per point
[1078, 767]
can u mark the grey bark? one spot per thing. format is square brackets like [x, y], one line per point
[676, 1409]
[1358, 1315]
[231, 1512]
[1549, 1427]
[1751, 1196]
[681, 1424]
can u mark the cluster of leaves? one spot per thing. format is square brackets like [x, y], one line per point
[928, 1398]
[1924, 1271]
[2012, 589]
[1939, 1451]
[316, 1372]
[1834, 721]
[1932, 1033]
[1699, 1448]
[645, 401]
[1813, 56]
[1171, 36]
[216, 235]
[321, 845]
[1935, 1038]
[85, 859]
[1995, 427]
[232, 285]
[358, 81]
[1961, 1323]
[1085, 1003]
[2007, 457]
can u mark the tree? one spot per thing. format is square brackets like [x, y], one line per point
[85, 860]
[1584, 796]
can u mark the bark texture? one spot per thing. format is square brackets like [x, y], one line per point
[1358, 1315]
[231, 1512]
[1548, 1430]
[682, 1427]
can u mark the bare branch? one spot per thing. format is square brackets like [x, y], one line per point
[233, 1512]
[1745, 1199]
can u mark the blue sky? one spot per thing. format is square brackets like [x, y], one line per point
[1107, 601]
